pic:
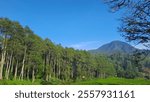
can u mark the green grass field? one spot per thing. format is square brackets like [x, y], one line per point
[18, 82]
[29, 82]
[108, 81]
[114, 81]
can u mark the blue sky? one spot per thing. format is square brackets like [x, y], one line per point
[82, 24]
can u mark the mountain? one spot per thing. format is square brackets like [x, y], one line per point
[114, 47]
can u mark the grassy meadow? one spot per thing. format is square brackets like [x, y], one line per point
[114, 81]
[108, 81]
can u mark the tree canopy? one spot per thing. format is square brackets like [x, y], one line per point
[25, 56]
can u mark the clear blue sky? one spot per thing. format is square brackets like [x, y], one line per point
[82, 24]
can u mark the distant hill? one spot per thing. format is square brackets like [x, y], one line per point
[114, 47]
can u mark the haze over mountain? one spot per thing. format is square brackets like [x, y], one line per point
[114, 47]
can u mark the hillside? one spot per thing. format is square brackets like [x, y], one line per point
[114, 47]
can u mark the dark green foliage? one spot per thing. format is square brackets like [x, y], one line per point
[131, 65]
[25, 56]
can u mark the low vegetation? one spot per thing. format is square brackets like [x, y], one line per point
[107, 81]
[113, 81]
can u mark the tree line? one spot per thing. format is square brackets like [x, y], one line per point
[26, 56]
[133, 65]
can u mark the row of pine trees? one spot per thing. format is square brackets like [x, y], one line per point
[26, 56]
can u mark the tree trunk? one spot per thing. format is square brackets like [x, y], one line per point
[47, 77]
[12, 65]
[9, 66]
[54, 69]
[16, 70]
[33, 75]
[23, 64]
[2, 64]
[28, 71]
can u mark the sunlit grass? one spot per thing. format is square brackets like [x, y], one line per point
[107, 81]
[113, 81]
[29, 82]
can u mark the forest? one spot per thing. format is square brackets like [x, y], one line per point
[24, 56]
